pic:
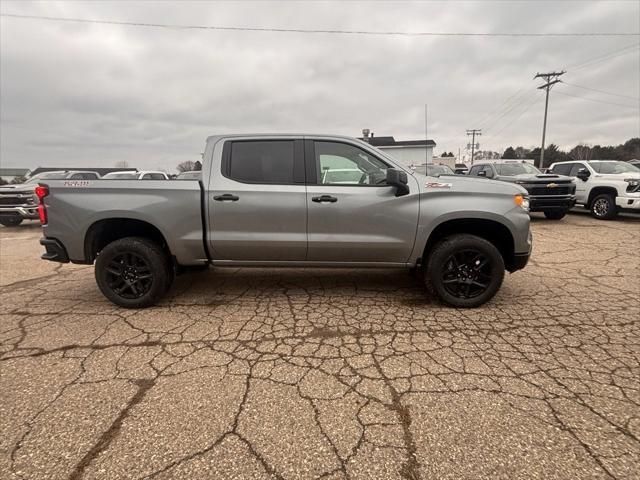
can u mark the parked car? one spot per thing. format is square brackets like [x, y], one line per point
[604, 186]
[432, 170]
[263, 202]
[461, 169]
[140, 175]
[192, 175]
[552, 194]
[18, 202]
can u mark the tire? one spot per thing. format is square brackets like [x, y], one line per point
[555, 214]
[11, 221]
[603, 207]
[452, 273]
[133, 272]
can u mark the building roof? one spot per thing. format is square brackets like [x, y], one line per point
[100, 170]
[13, 172]
[389, 141]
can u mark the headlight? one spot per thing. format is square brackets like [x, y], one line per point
[522, 202]
[633, 182]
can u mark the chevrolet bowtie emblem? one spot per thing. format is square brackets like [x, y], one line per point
[552, 185]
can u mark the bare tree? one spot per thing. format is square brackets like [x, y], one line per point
[189, 166]
[581, 152]
[186, 166]
[121, 164]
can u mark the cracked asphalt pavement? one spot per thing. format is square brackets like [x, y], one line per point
[256, 373]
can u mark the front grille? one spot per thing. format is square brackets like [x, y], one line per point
[544, 190]
[14, 200]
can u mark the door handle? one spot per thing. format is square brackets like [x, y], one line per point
[226, 197]
[324, 198]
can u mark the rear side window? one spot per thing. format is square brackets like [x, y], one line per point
[562, 168]
[261, 162]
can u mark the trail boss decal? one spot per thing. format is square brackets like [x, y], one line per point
[437, 185]
[76, 183]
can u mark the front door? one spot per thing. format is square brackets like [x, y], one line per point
[353, 215]
[258, 202]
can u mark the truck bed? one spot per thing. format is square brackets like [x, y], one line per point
[75, 207]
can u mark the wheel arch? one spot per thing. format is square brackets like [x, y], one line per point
[595, 191]
[105, 231]
[491, 230]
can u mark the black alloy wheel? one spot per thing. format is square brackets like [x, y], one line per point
[129, 276]
[467, 273]
[464, 270]
[134, 272]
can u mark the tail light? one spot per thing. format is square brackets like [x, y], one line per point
[41, 192]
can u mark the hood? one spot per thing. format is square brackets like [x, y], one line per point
[618, 176]
[465, 183]
[18, 188]
[539, 178]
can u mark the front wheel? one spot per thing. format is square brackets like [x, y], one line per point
[555, 214]
[133, 272]
[603, 207]
[464, 271]
[11, 221]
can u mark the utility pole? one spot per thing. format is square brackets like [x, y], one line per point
[426, 135]
[473, 132]
[551, 78]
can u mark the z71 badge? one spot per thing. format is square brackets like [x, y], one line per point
[437, 185]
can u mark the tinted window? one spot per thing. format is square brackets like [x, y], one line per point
[262, 162]
[474, 170]
[613, 167]
[488, 170]
[510, 169]
[155, 176]
[562, 168]
[343, 164]
[574, 169]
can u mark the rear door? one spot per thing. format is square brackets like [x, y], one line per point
[258, 201]
[354, 216]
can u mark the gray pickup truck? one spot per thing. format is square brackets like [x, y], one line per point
[266, 200]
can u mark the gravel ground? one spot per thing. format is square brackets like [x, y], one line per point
[256, 373]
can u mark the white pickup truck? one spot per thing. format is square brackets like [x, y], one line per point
[603, 186]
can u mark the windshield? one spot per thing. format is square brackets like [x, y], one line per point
[47, 176]
[434, 170]
[121, 176]
[510, 169]
[189, 176]
[613, 167]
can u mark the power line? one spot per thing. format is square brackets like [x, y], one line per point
[514, 120]
[322, 31]
[598, 101]
[601, 91]
[603, 57]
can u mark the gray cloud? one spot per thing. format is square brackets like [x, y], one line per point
[85, 94]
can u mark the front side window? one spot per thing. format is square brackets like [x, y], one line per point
[575, 168]
[343, 164]
[267, 162]
[488, 171]
[475, 170]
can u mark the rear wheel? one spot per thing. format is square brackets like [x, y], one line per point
[603, 207]
[464, 271]
[555, 214]
[11, 221]
[133, 272]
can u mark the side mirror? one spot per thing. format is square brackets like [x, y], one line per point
[482, 173]
[397, 178]
[583, 174]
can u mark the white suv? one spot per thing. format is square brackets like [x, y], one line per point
[603, 186]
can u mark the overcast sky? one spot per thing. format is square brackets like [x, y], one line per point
[77, 94]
